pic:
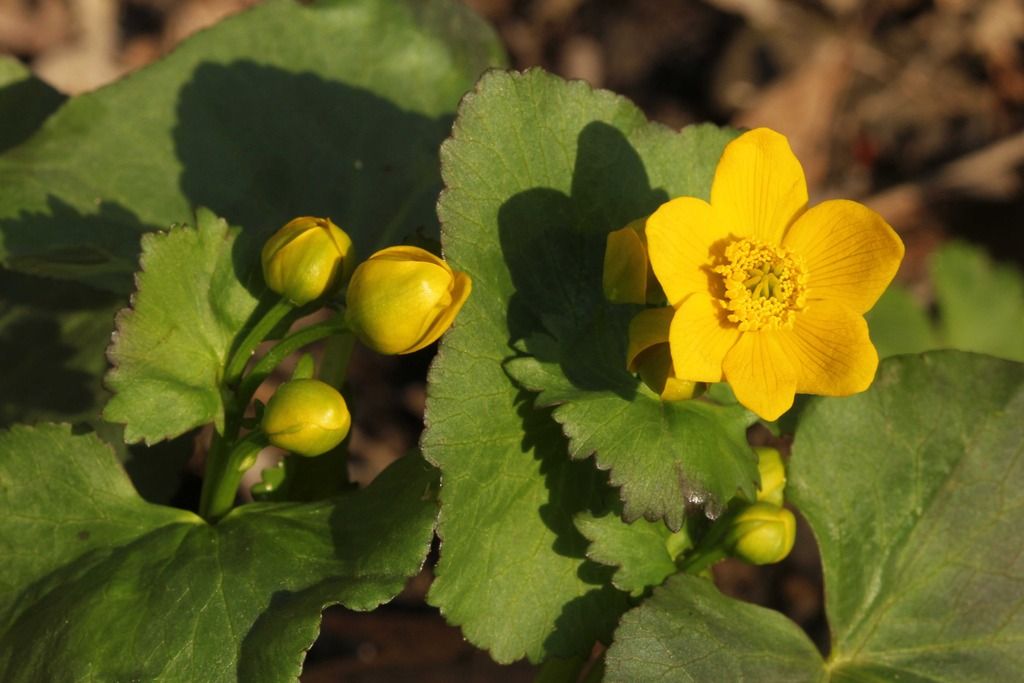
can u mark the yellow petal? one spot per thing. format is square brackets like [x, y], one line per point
[680, 235]
[647, 328]
[700, 337]
[761, 374]
[851, 254]
[830, 347]
[759, 186]
[625, 267]
[462, 285]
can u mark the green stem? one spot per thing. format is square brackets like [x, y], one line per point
[278, 310]
[337, 354]
[224, 470]
[700, 560]
[282, 350]
[710, 548]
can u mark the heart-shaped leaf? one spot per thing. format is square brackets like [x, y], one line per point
[100, 585]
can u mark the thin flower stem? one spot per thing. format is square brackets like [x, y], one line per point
[222, 477]
[224, 470]
[282, 350]
[711, 548]
[279, 309]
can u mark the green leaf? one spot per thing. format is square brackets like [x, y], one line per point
[981, 303]
[899, 325]
[25, 102]
[688, 631]
[538, 170]
[913, 491]
[99, 585]
[638, 551]
[664, 455]
[171, 346]
[335, 109]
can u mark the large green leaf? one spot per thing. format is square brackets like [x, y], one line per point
[913, 490]
[171, 346]
[537, 172]
[99, 585]
[334, 109]
[688, 631]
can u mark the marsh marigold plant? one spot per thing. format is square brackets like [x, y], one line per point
[770, 295]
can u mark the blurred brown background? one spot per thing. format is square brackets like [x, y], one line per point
[914, 107]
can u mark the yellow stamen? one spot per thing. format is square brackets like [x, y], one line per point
[764, 285]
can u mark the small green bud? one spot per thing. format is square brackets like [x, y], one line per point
[762, 534]
[403, 298]
[306, 417]
[306, 259]
[773, 476]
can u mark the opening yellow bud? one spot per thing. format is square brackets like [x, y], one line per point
[306, 259]
[762, 534]
[773, 475]
[649, 355]
[403, 298]
[628, 277]
[306, 417]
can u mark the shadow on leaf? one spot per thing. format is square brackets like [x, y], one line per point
[259, 146]
[554, 247]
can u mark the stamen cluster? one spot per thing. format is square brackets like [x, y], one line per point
[764, 285]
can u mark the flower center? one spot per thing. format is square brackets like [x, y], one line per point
[764, 285]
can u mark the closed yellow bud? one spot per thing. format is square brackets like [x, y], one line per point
[403, 298]
[773, 475]
[762, 533]
[648, 354]
[306, 417]
[306, 259]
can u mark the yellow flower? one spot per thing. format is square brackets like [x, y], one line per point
[648, 354]
[403, 298]
[770, 295]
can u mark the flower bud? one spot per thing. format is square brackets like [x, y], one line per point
[403, 298]
[306, 417]
[773, 476]
[306, 259]
[648, 354]
[762, 533]
[628, 277]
